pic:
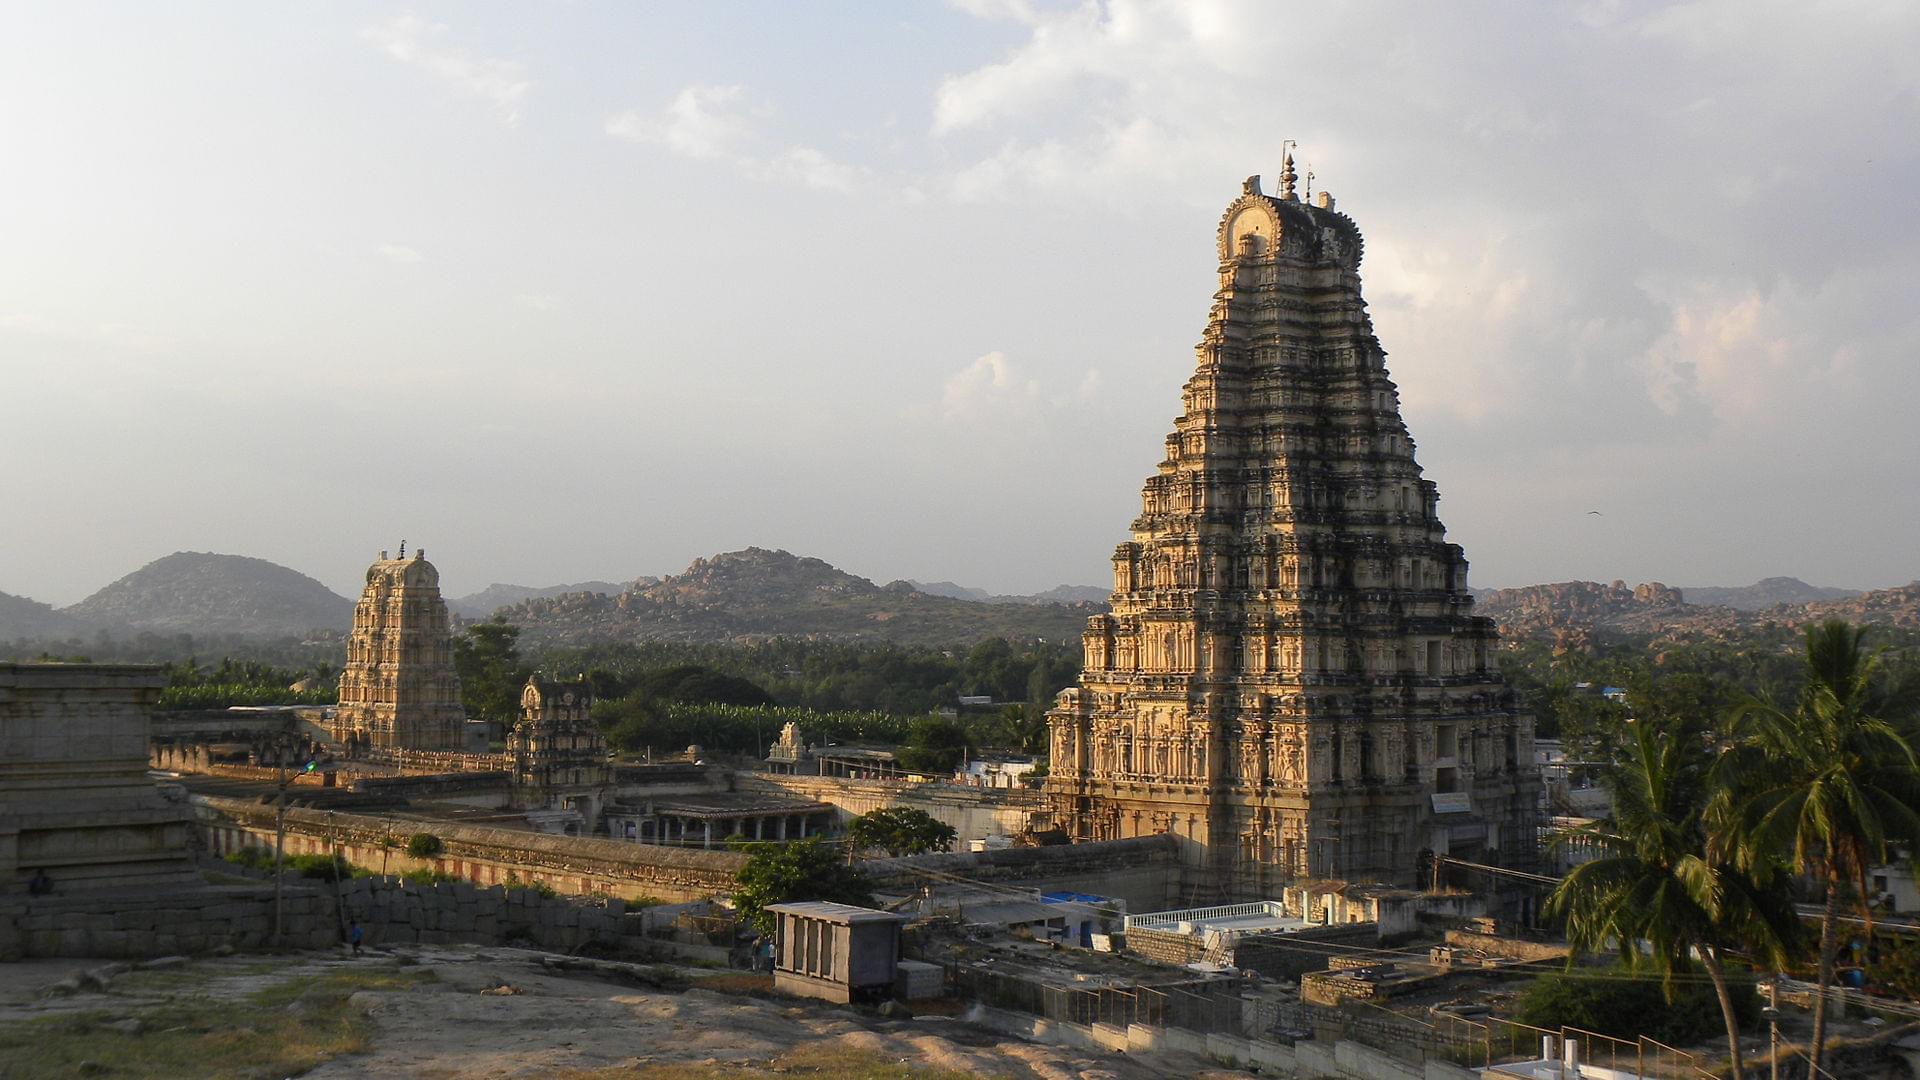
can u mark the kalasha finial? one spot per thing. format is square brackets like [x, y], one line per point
[1286, 172]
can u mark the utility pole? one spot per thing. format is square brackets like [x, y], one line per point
[279, 833]
[1772, 1013]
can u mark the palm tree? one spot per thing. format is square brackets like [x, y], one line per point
[1833, 781]
[1661, 891]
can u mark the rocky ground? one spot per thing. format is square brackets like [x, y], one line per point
[477, 1011]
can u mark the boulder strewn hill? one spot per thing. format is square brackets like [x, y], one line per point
[1574, 614]
[203, 593]
[1763, 594]
[481, 604]
[761, 593]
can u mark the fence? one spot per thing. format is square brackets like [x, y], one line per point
[1497, 1041]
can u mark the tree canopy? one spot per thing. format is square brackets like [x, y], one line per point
[900, 830]
[809, 869]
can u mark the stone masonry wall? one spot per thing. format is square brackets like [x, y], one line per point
[389, 910]
[485, 856]
[974, 813]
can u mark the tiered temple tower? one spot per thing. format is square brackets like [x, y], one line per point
[559, 756]
[399, 689]
[1291, 678]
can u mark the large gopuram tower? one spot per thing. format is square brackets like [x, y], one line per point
[399, 689]
[1292, 679]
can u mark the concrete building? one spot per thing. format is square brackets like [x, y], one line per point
[834, 951]
[77, 809]
[1292, 680]
[399, 690]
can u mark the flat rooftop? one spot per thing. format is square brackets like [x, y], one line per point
[1259, 917]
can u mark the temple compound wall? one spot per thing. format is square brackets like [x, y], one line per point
[485, 856]
[77, 809]
[974, 812]
[399, 689]
[1292, 680]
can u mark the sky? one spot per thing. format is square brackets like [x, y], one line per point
[573, 291]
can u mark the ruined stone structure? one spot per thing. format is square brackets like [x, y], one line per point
[399, 689]
[559, 758]
[1291, 680]
[77, 809]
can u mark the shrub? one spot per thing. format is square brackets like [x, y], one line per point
[423, 845]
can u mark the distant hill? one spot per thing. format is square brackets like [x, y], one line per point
[1573, 614]
[24, 619]
[481, 604]
[759, 593]
[202, 593]
[1059, 594]
[1763, 594]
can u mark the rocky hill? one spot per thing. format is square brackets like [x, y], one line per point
[1059, 594]
[1763, 594]
[481, 604]
[202, 593]
[1899, 606]
[1575, 614]
[22, 619]
[760, 593]
[1544, 609]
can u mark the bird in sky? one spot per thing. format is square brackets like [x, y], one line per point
[1596, 513]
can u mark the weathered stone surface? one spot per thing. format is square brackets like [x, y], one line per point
[1291, 680]
[399, 690]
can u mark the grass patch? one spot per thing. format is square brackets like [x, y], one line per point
[817, 1060]
[279, 1031]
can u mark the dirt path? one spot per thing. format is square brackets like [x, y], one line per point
[440, 1025]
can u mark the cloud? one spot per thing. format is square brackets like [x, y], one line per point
[988, 385]
[414, 41]
[701, 122]
[397, 253]
[720, 123]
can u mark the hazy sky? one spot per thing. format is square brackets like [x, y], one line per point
[572, 290]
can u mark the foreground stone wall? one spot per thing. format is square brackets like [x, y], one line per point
[161, 922]
[315, 916]
[486, 856]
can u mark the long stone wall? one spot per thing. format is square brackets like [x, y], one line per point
[974, 812]
[486, 856]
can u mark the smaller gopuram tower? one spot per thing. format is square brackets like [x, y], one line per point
[559, 758]
[399, 690]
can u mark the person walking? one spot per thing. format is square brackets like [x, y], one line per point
[354, 935]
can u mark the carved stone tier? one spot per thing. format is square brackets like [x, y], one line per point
[77, 808]
[399, 689]
[1292, 679]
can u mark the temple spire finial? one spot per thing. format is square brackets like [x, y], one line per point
[1286, 170]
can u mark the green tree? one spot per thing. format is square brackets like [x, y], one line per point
[900, 830]
[1023, 727]
[936, 745]
[1833, 780]
[487, 659]
[1662, 883]
[808, 869]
